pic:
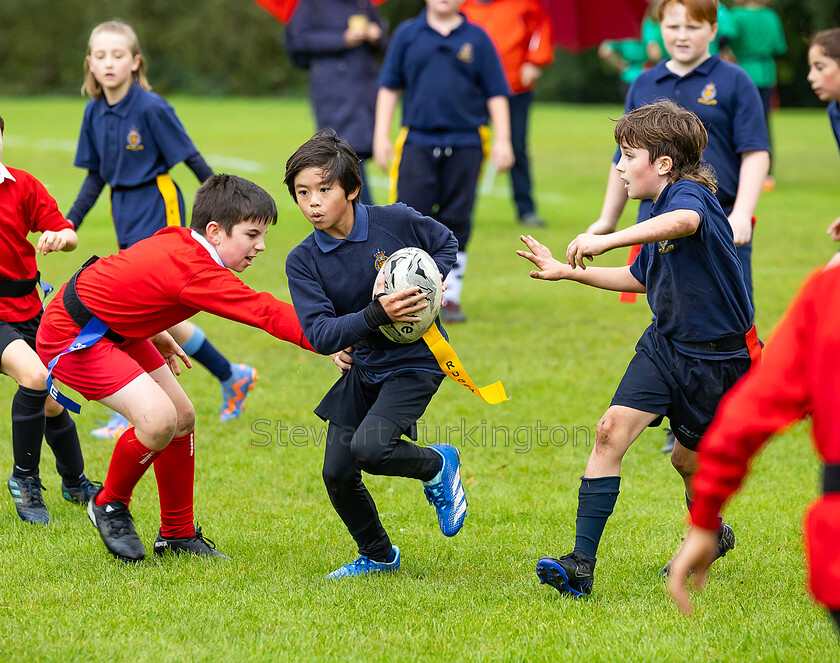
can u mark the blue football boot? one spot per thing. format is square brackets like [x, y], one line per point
[235, 389]
[364, 566]
[113, 430]
[446, 493]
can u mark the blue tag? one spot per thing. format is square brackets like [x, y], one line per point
[92, 332]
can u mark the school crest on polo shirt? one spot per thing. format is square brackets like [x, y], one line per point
[465, 54]
[134, 141]
[665, 246]
[379, 258]
[708, 97]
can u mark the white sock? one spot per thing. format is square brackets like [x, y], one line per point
[455, 279]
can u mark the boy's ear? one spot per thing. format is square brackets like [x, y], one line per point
[212, 232]
[355, 194]
[664, 164]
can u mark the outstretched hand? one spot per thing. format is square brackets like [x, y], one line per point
[171, 351]
[548, 268]
[834, 230]
[585, 245]
[402, 304]
[695, 556]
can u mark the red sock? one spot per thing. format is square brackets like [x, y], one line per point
[175, 474]
[129, 462]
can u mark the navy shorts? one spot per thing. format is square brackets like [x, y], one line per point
[24, 330]
[401, 397]
[685, 389]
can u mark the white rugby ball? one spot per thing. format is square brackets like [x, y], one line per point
[407, 268]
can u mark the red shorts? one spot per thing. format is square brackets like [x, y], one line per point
[97, 371]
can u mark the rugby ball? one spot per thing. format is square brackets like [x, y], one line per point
[407, 268]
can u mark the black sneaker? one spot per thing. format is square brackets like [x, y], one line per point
[726, 542]
[196, 544]
[26, 492]
[116, 527]
[81, 494]
[570, 574]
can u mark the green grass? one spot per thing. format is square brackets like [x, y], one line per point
[560, 350]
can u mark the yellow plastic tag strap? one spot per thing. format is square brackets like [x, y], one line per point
[394, 173]
[170, 199]
[451, 365]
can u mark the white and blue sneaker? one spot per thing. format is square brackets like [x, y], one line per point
[113, 430]
[364, 566]
[235, 389]
[446, 493]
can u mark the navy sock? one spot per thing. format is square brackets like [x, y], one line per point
[391, 556]
[213, 360]
[596, 500]
[60, 433]
[27, 430]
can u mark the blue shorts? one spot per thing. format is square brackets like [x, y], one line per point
[685, 389]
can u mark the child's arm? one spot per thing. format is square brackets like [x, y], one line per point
[754, 167]
[89, 192]
[501, 153]
[386, 104]
[619, 279]
[671, 225]
[329, 332]
[198, 165]
[615, 198]
[61, 240]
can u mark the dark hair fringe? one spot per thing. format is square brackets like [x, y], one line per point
[229, 200]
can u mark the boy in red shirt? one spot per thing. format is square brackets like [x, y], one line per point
[797, 378]
[25, 206]
[130, 299]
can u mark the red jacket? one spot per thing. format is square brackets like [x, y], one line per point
[798, 376]
[520, 30]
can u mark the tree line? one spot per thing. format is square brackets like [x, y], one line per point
[228, 47]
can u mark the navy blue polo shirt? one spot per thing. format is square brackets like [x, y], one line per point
[834, 118]
[133, 141]
[722, 95]
[695, 284]
[446, 80]
[331, 282]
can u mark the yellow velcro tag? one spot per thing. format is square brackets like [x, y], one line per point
[451, 365]
[170, 199]
[394, 173]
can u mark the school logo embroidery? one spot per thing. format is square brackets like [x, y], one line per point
[135, 140]
[708, 97]
[466, 53]
[379, 259]
[665, 246]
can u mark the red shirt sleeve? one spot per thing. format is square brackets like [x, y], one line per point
[41, 208]
[768, 399]
[220, 292]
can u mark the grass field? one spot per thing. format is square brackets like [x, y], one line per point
[560, 350]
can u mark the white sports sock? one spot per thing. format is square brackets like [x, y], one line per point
[455, 279]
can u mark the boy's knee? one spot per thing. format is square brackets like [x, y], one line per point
[157, 431]
[338, 479]
[607, 432]
[683, 464]
[368, 453]
[371, 443]
[34, 377]
[186, 420]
